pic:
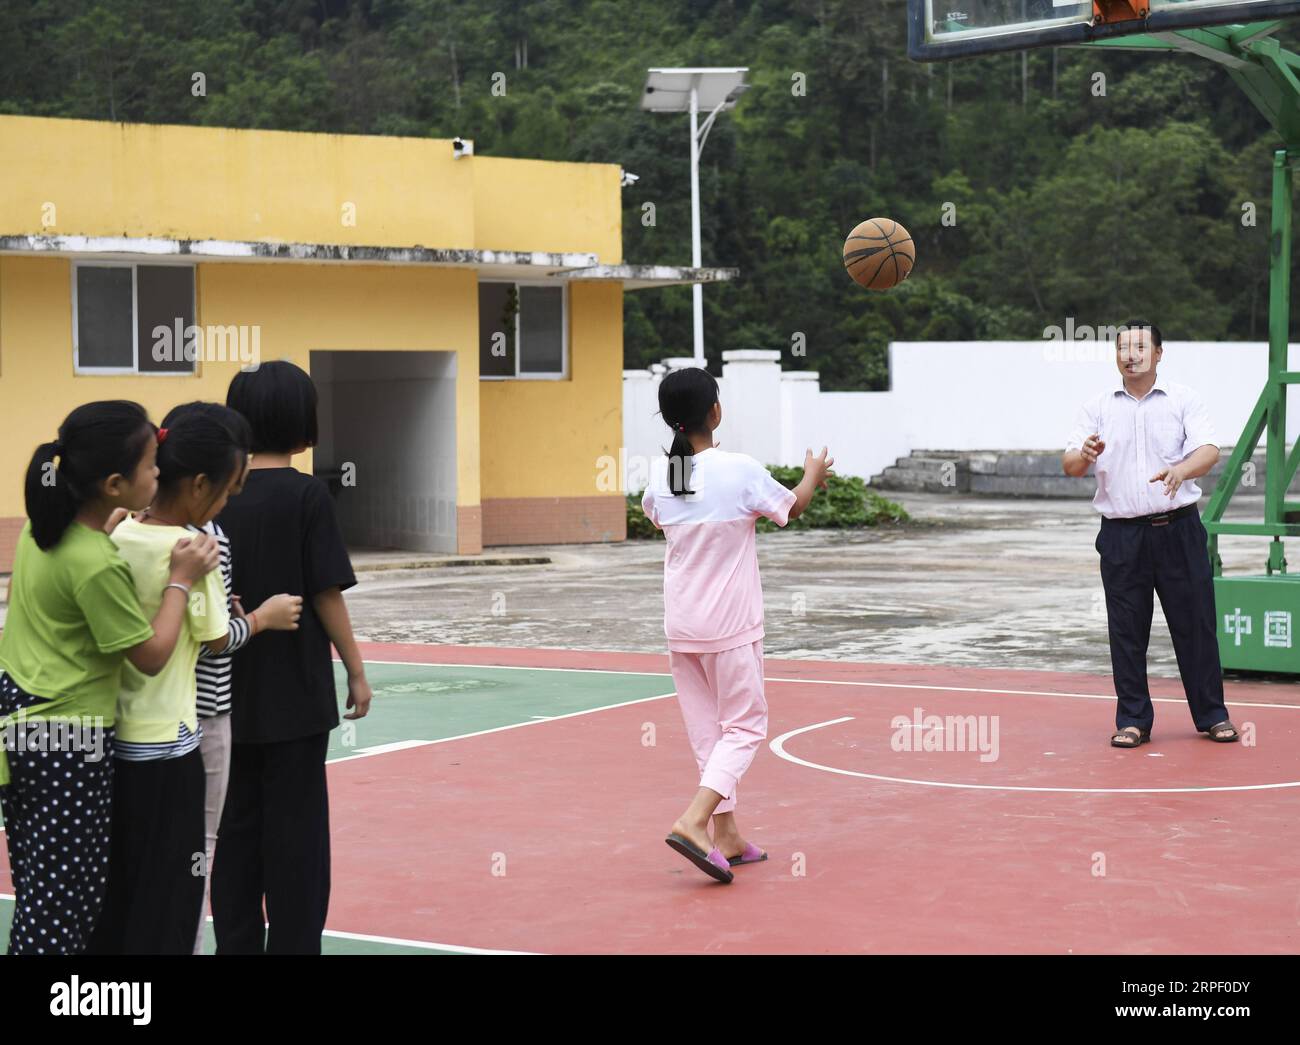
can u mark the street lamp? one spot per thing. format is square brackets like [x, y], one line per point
[694, 91]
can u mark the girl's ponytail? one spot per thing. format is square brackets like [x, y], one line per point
[50, 496]
[95, 441]
[680, 457]
[686, 398]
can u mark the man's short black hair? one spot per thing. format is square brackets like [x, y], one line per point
[279, 401]
[1142, 324]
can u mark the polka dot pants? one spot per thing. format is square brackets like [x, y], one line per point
[57, 810]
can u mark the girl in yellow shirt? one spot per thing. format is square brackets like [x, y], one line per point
[156, 872]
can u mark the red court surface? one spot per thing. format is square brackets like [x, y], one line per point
[549, 837]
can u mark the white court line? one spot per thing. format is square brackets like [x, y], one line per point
[834, 682]
[396, 941]
[778, 748]
[422, 944]
[1016, 692]
[511, 667]
[385, 748]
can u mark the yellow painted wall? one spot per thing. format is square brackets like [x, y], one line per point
[537, 205]
[543, 438]
[515, 438]
[298, 308]
[114, 179]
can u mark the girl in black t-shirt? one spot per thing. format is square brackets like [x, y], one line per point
[273, 844]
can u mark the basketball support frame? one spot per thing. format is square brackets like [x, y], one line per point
[1268, 74]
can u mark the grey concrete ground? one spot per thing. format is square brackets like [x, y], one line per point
[980, 582]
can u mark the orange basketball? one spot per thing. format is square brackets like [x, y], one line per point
[879, 253]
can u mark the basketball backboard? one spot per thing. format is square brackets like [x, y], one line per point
[940, 29]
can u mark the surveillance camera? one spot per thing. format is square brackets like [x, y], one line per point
[627, 178]
[461, 147]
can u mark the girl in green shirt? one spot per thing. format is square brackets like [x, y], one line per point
[74, 616]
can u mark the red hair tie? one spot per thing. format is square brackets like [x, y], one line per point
[162, 436]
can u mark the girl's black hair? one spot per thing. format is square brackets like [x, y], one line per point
[685, 399]
[240, 430]
[95, 441]
[202, 439]
[279, 401]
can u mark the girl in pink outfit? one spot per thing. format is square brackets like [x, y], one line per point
[706, 501]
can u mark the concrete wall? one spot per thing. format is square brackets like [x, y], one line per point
[980, 395]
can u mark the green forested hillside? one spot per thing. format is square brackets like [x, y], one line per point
[1068, 203]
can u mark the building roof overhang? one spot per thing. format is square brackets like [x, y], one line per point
[542, 266]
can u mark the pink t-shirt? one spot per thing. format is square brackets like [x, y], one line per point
[713, 599]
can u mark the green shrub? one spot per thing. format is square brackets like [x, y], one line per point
[845, 504]
[638, 526]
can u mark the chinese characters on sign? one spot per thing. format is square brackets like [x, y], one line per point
[1277, 627]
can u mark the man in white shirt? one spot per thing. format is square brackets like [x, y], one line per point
[1150, 440]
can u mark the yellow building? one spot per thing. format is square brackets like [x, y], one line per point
[461, 315]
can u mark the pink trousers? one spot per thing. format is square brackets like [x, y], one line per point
[722, 702]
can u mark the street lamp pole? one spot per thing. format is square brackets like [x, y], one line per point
[697, 291]
[692, 91]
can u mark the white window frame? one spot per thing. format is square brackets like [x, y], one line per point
[134, 369]
[550, 375]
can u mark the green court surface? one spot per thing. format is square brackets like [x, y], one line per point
[434, 702]
[428, 702]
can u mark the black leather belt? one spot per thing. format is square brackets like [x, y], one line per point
[1161, 519]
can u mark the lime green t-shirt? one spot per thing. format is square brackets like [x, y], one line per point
[151, 708]
[73, 613]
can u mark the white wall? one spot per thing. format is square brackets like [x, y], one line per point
[392, 415]
[971, 395]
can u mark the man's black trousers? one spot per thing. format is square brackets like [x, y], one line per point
[1139, 560]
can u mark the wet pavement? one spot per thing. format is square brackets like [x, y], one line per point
[972, 582]
[975, 582]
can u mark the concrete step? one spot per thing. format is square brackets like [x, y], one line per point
[1033, 486]
[949, 477]
[929, 462]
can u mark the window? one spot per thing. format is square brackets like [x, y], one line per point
[129, 318]
[522, 330]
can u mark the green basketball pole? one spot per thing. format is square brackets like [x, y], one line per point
[1257, 615]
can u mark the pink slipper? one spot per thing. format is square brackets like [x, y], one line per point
[752, 855]
[714, 864]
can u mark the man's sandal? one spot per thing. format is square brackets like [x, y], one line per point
[1130, 736]
[1224, 733]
